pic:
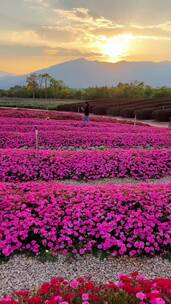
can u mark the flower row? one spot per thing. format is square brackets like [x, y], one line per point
[27, 165]
[91, 127]
[20, 113]
[119, 220]
[29, 124]
[63, 139]
[132, 288]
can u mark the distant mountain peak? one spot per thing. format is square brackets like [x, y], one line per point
[4, 74]
[82, 73]
[81, 59]
[78, 60]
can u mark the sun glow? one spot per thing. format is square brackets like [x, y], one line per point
[117, 47]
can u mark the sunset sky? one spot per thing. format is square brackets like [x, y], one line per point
[38, 33]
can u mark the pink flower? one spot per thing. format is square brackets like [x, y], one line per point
[120, 285]
[85, 296]
[74, 284]
[140, 295]
[58, 298]
[7, 299]
[157, 301]
[120, 275]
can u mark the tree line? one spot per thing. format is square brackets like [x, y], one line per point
[45, 86]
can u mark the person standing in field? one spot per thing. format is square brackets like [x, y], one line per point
[86, 110]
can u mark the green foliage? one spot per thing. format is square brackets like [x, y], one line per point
[45, 86]
[32, 84]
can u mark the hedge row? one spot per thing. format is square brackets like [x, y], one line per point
[162, 115]
[144, 108]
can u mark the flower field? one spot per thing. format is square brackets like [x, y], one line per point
[40, 213]
[82, 219]
[20, 133]
[131, 289]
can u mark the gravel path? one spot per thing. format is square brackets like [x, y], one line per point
[22, 272]
[121, 181]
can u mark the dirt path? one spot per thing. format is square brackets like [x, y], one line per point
[152, 123]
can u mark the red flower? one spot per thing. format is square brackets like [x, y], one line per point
[95, 298]
[35, 300]
[51, 301]
[89, 285]
[9, 301]
[22, 293]
[81, 280]
[126, 279]
[134, 274]
[57, 280]
[69, 296]
[131, 289]
[44, 289]
[111, 285]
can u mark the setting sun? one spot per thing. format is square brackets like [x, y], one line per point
[117, 47]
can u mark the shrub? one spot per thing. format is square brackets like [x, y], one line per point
[128, 112]
[99, 110]
[162, 115]
[70, 107]
[144, 113]
[113, 111]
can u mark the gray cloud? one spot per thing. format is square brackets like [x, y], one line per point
[64, 52]
[18, 50]
[144, 11]
[19, 14]
[55, 33]
[153, 31]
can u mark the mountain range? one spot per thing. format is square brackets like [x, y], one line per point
[82, 73]
[5, 74]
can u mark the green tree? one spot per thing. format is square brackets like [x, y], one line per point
[56, 87]
[46, 78]
[32, 84]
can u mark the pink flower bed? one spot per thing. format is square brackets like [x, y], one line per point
[28, 124]
[24, 113]
[133, 289]
[74, 133]
[27, 165]
[119, 220]
[60, 139]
